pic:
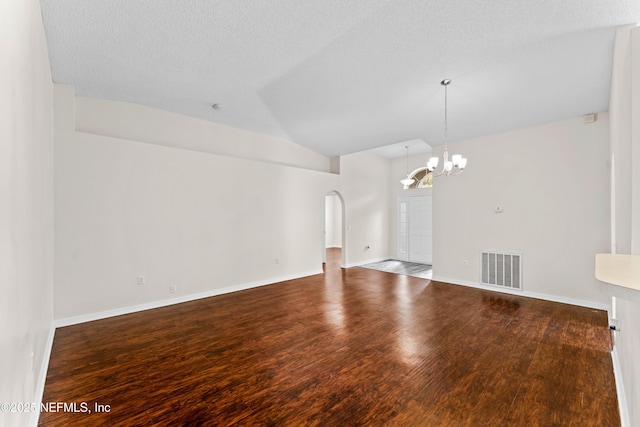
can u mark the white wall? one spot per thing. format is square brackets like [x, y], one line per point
[200, 221]
[625, 146]
[333, 222]
[365, 189]
[139, 123]
[26, 212]
[552, 181]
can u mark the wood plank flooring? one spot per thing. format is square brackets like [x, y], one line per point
[348, 347]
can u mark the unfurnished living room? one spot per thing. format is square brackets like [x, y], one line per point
[322, 213]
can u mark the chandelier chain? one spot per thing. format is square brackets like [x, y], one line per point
[446, 121]
[407, 159]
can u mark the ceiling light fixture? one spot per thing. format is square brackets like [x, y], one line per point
[456, 165]
[408, 180]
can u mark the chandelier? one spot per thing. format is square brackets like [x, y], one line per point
[456, 165]
[408, 180]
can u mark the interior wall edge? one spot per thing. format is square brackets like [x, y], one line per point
[622, 398]
[42, 377]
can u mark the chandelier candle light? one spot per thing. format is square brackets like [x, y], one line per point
[456, 165]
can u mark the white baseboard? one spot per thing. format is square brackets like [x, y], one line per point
[59, 323]
[546, 297]
[42, 378]
[622, 398]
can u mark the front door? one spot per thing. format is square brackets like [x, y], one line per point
[415, 231]
[420, 230]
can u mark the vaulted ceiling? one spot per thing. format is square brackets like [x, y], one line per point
[341, 76]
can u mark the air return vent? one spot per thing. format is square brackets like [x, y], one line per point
[504, 270]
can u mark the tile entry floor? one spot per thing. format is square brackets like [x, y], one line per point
[414, 269]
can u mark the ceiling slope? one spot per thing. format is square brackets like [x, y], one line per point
[343, 76]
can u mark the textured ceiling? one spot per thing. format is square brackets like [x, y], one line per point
[341, 76]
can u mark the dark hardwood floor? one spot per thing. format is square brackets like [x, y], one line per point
[348, 347]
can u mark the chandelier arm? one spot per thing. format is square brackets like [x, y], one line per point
[454, 171]
[436, 173]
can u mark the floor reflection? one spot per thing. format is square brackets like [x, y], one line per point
[424, 271]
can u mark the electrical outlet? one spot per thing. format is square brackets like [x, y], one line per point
[173, 289]
[465, 262]
[277, 260]
[141, 280]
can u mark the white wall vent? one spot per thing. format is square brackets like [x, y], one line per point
[499, 269]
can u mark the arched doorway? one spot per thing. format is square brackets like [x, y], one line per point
[334, 236]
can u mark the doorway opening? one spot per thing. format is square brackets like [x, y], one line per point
[333, 242]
